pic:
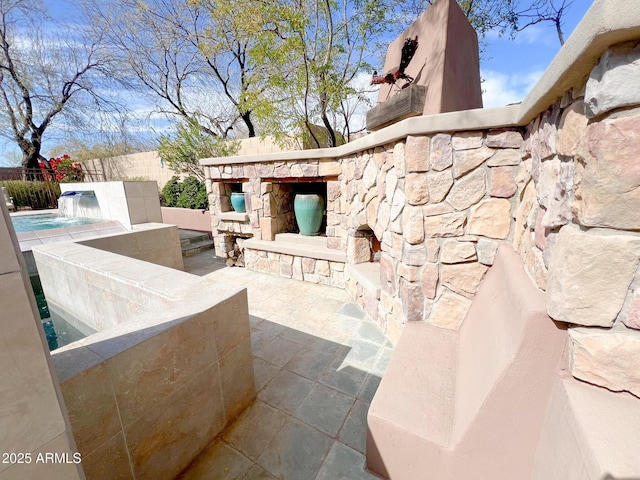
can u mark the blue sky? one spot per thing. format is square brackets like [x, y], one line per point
[513, 67]
[510, 68]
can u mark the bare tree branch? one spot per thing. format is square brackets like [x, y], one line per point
[545, 11]
[42, 78]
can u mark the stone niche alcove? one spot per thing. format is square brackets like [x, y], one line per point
[231, 228]
[281, 204]
[225, 195]
[363, 246]
[363, 269]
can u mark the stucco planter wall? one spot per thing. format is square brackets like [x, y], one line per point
[187, 219]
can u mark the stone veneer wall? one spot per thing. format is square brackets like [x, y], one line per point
[563, 189]
[578, 221]
[305, 269]
[437, 204]
[268, 200]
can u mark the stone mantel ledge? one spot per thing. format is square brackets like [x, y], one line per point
[606, 23]
[233, 217]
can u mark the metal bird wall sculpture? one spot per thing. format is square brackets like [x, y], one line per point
[397, 73]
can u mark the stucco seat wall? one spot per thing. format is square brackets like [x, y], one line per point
[453, 402]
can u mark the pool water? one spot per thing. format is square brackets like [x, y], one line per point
[46, 221]
[58, 334]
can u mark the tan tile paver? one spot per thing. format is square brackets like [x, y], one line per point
[317, 364]
[344, 462]
[258, 473]
[343, 377]
[272, 328]
[263, 371]
[309, 363]
[368, 389]
[278, 351]
[354, 430]
[259, 339]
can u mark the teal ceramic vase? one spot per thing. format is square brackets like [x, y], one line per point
[237, 202]
[309, 210]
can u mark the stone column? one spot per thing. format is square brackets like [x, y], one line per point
[268, 223]
[359, 246]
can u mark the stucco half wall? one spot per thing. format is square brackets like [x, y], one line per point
[470, 403]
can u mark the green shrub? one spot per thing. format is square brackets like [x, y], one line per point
[190, 193]
[193, 194]
[171, 191]
[34, 194]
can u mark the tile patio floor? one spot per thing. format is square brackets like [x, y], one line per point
[317, 364]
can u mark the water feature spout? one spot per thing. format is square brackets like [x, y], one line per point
[82, 204]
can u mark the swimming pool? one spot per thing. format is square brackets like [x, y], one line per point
[57, 331]
[46, 221]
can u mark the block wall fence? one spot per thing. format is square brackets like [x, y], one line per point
[149, 165]
[563, 189]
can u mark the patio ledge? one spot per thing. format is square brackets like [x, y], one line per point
[367, 275]
[233, 216]
[297, 246]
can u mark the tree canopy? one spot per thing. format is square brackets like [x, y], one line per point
[244, 66]
[44, 75]
[320, 49]
[248, 67]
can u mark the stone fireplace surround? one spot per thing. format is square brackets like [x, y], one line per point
[403, 201]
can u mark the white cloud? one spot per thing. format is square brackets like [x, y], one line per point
[539, 34]
[529, 35]
[500, 89]
[362, 83]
